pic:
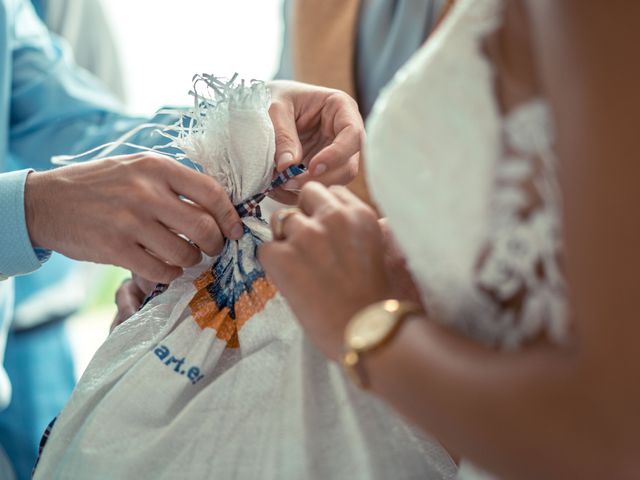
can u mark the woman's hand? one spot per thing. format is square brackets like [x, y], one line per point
[319, 127]
[129, 297]
[129, 211]
[330, 263]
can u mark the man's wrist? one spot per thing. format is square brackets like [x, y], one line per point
[32, 210]
[31, 203]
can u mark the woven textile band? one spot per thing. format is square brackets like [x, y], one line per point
[251, 208]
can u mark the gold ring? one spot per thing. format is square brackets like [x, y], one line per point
[279, 219]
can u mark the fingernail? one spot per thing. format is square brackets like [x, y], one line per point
[285, 159]
[237, 231]
[291, 185]
[319, 170]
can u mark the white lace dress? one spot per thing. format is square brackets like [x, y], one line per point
[470, 193]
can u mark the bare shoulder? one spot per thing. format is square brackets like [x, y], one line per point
[584, 33]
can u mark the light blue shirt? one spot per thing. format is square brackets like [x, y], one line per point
[389, 33]
[48, 106]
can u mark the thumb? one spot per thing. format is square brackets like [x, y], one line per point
[288, 147]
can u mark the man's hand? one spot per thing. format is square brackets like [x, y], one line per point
[319, 127]
[128, 211]
[130, 296]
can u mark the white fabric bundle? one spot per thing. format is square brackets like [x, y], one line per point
[214, 378]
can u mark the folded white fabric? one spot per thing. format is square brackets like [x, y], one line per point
[213, 378]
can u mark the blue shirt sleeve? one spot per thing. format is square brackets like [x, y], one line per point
[285, 68]
[55, 108]
[19, 256]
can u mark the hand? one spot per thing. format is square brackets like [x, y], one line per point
[127, 211]
[129, 297]
[331, 263]
[319, 127]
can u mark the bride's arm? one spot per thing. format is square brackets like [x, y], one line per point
[540, 413]
[552, 412]
[546, 412]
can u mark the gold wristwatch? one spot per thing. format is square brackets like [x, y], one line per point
[370, 329]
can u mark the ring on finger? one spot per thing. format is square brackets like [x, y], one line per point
[279, 220]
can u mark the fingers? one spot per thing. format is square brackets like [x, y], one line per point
[279, 220]
[285, 227]
[315, 196]
[209, 194]
[288, 193]
[288, 147]
[143, 263]
[129, 297]
[337, 208]
[327, 123]
[346, 145]
[144, 286]
[196, 224]
[347, 197]
[170, 247]
[126, 299]
[342, 121]
[342, 174]
[286, 197]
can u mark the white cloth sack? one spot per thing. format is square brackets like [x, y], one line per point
[184, 390]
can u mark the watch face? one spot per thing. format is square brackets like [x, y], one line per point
[372, 325]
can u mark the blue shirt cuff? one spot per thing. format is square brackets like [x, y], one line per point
[17, 255]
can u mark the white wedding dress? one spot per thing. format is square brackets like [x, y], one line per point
[471, 192]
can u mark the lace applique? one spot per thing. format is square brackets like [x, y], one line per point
[484, 241]
[519, 273]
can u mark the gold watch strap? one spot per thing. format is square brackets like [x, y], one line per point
[352, 358]
[355, 369]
